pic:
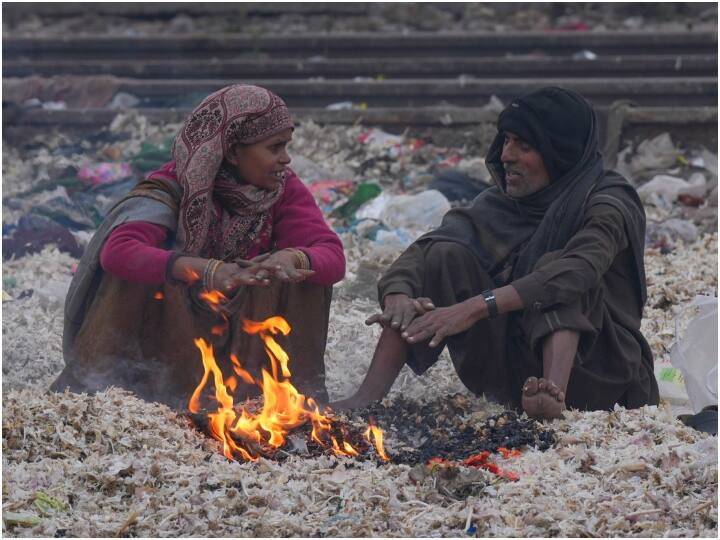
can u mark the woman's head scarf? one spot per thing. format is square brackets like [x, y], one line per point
[235, 114]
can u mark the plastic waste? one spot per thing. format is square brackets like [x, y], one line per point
[309, 171]
[153, 156]
[379, 137]
[697, 185]
[123, 100]
[672, 230]
[664, 187]
[695, 351]
[104, 173]
[656, 153]
[33, 233]
[671, 384]
[457, 186]
[422, 212]
[329, 191]
[396, 238]
[363, 193]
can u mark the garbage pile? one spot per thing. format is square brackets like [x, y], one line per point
[379, 190]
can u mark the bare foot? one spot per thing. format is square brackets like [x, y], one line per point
[349, 404]
[542, 399]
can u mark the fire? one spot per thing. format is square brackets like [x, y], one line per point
[377, 437]
[191, 276]
[244, 434]
[213, 298]
[158, 295]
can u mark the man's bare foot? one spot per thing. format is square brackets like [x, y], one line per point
[542, 399]
[349, 404]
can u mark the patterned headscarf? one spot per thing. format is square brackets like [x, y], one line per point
[236, 114]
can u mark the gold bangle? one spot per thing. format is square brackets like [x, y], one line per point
[301, 258]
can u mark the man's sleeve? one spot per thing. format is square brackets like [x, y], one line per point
[582, 263]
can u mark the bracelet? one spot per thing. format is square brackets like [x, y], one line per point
[489, 297]
[302, 260]
[209, 274]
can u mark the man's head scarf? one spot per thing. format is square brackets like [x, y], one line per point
[554, 121]
[235, 114]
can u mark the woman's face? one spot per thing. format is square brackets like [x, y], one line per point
[263, 164]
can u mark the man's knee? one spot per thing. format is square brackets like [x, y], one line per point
[443, 254]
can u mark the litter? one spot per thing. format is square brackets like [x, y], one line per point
[695, 352]
[104, 173]
[662, 190]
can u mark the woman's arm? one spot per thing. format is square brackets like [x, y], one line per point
[299, 223]
[132, 252]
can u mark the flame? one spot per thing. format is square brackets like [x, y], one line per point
[377, 437]
[158, 296]
[284, 408]
[218, 330]
[213, 298]
[191, 276]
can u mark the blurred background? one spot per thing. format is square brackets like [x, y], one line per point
[400, 66]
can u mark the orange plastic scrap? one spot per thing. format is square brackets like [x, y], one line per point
[477, 459]
[481, 460]
[508, 453]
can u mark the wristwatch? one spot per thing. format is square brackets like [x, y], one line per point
[489, 297]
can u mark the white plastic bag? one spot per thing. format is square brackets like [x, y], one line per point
[421, 212]
[695, 352]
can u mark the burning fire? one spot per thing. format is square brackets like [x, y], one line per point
[284, 408]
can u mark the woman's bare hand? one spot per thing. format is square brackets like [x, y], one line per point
[230, 276]
[281, 265]
[400, 310]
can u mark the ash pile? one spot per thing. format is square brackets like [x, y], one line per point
[452, 429]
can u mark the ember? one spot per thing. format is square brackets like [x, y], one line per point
[438, 431]
[262, 428]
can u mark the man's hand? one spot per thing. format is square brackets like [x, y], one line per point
[281, 265]
[441, 323]
[400, 310]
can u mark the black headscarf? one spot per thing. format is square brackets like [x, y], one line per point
[509, 235]
[556, 122]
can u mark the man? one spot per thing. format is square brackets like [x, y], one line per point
[538, 287]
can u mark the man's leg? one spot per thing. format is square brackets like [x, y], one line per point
[544, 398]
[388, 360]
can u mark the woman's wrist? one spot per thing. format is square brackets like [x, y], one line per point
[300, 259]
[189, 269]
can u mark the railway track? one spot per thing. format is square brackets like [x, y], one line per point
[417, 79]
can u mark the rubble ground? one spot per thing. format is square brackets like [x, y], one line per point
[111, 464]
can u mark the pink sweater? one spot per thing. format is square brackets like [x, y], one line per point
[132, 251]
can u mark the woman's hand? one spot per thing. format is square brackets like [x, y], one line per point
[400, 310]
[229, 276]
[281, 265]
[442, 322]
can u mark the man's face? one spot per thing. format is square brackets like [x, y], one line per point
[263, 164]
[525, 171]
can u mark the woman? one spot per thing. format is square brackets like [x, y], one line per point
[226, 214]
